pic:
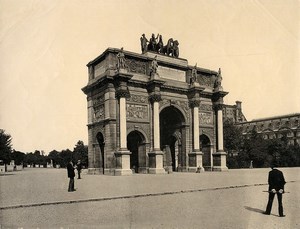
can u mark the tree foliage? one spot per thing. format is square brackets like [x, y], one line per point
[257, 151]
[5, 146]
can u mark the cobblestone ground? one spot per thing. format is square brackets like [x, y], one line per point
[38, 198]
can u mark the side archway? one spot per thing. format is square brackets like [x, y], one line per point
[136, 144]
[101, 142]
[205, 147]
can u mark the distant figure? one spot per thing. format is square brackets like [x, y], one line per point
[79, 167]
[251, 165]
[71, 175]
[121, 59]
[144, 44]
[276, 186]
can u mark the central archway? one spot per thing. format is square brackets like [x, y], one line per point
[136, 145]
[172, 123]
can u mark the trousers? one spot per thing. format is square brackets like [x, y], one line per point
[270, 203]
[71, 185]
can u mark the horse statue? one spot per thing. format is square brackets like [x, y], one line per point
[175, 49]
[167, 50]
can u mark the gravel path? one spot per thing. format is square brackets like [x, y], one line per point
[234, 199]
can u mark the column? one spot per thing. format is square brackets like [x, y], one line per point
[195, 157]
[156, 156]
[196, 128]
[123, 154]
[220, 130]
[123, 131]
[156, 130]
[219, 157]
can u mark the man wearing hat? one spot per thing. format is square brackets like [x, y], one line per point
[276, 186]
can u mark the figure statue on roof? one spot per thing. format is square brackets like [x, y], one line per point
[152, 43]
[144, 43]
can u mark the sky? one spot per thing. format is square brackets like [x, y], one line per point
[45, 46]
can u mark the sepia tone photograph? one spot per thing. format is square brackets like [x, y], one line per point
[149, 114]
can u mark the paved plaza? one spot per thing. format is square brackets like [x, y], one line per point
[38, 198]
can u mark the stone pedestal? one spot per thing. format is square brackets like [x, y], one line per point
[156, 162]
[94, 171]
[123, 163]
[219, 161]
[195, 162]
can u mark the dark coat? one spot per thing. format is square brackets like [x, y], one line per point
[276, 180]
[71, 172]
[79, 166]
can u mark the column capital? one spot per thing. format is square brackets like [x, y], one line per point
[122, 93]
[194, 103]
[155, 98]
[218, 107]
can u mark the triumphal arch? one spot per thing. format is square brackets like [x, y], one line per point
[153, 112]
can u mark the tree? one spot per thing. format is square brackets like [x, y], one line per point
[233, 141]
[256, 149]
[233, 137]
[55, 157]
[5, 146]
[18, 157]
[66, 156]
[80, 152]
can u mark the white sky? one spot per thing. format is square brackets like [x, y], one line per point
[45, 46]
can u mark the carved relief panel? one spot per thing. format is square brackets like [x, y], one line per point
[137, 108]
[136, 66]
[98, 105]
[206, 115]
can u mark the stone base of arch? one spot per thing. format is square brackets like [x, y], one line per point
[195, 162]
[156, 162]
[122, 163]
[95, 171]
[219, 161]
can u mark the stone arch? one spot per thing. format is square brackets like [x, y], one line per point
[145, 136]
[183, 112]
[136, 144]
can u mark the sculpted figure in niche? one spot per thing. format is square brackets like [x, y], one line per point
[194, 75]
[121, 59]
[154, 66]
[144, 43]
[218, 81]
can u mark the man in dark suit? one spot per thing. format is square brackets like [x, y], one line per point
[79, 167]
[276, 186]
[71, 175]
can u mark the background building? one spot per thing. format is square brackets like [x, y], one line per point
[269, 128]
